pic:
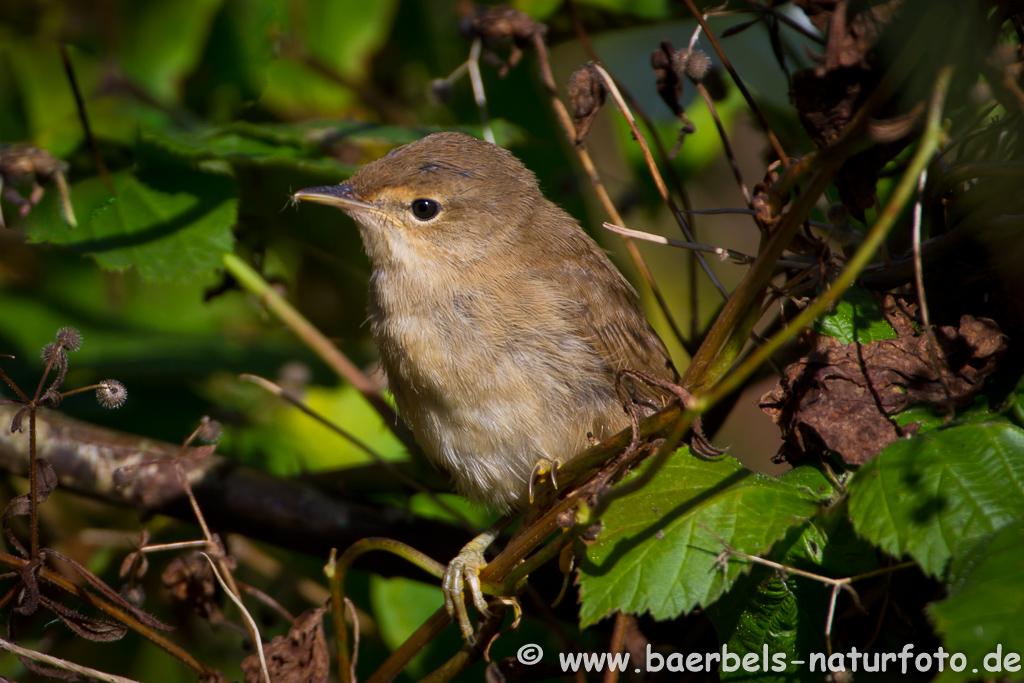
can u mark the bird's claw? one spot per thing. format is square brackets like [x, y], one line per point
[543, 466]
[464, 572]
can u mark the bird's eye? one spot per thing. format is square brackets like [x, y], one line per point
[425, 209]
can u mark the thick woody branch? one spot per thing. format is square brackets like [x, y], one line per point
[133, 471]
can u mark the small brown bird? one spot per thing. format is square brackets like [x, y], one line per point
[501, 324]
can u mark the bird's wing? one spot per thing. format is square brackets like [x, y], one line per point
[611, 320]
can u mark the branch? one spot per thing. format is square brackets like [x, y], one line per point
[137, 472]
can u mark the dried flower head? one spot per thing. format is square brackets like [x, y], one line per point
[53, 354]
[69, 338]
[111, 394]
[209, 431]
[696, 65]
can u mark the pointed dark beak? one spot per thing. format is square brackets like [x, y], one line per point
[341, 196]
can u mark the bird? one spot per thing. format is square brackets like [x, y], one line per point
[501, 325]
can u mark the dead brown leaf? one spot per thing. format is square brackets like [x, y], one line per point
[843, 396]
[299, 657]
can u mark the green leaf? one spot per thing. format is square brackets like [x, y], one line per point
[154, 57]
[986, 597]
[856, 318]
[658, 548]
[170, 226]
[788, 613]
[760, 614]
[930, 419]
[300, 146]
[236, 61]
[341, 37]
[926, 495]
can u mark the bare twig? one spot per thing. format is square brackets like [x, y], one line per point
[94, 148]
[479, 96]
[655, 173]
[721, 252]
[618, 642]
[358, 443]
[836, 584]
[320, 345]
[930, 140]
[249, 621]
[934, 352]
[547, 77]
[776, 145]
[62, 664]
[726, 145]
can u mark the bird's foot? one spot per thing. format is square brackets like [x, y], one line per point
[464, 572]
[544, 467]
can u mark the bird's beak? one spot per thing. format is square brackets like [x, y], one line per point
[342, 196]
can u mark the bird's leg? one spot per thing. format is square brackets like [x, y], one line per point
[464, 572]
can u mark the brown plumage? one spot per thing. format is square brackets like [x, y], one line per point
[501, 324]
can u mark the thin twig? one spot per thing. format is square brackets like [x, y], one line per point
[320, 345]
[726, 145]
[181, 545]
[677, 184]
[776, 145]
[930, 141]
[351, 609]
[934, 352]
[250, 622]
[401, 476]
[479, 96]
[721, 252]
[94, 148]
[547, 77]
[836, 584]
[618, 642]
[62, 664]
[655, 173]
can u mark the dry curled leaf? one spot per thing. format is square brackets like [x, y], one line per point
[19, 506]
[501, 26]
[851, 29]
[587, 92]
[97, 630]
[666, 79]
[299, 657]
[842, 396]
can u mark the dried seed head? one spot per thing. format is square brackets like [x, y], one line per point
[691, 63]
[210, 431]
[69, 338]
[698, 65]
[111, 393]
[498, 24]
[52, 353]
